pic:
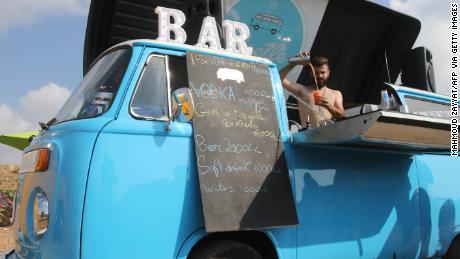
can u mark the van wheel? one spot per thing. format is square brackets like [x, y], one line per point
[225, 249]
[256, 27]
[273, 31]
[454, 249]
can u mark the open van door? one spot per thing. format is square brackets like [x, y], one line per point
[422, 127]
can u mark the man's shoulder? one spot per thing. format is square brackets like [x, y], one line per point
[337, 95]
[335, 92]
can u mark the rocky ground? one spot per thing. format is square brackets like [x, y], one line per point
[8, 177]
[6, 239]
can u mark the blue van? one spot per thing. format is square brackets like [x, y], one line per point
[115, 174]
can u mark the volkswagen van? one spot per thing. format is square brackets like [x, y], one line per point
[114, 175]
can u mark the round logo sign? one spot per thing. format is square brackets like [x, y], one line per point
[276, 27]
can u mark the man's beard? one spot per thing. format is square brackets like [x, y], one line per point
[322, 83]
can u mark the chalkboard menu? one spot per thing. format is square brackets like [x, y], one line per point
[243, 176]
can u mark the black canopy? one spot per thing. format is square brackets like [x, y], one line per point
[354, 35]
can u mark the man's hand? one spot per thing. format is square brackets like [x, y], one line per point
[324, 102]
[303, 54]
[335, 109]
[302, 58]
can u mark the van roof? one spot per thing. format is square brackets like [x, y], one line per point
[186, 47]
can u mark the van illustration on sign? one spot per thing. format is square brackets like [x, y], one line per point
[267, 22]
[230, 74]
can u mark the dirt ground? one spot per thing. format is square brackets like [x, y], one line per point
[6, 239]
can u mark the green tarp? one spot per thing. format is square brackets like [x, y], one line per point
[17, 140]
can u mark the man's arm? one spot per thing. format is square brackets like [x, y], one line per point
[288, 85]
[336, 108]
[285, 71]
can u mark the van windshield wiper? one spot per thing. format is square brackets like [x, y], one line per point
[46, 126]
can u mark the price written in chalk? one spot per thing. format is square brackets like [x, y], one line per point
[217, 167]
[225, 146]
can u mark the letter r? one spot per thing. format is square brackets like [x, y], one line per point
[233, 42]
[165, 26]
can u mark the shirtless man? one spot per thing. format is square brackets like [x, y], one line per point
[329, 105]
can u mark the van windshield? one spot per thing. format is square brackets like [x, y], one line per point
[96, 92]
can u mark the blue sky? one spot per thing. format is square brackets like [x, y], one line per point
[34, 55]
[41, 50]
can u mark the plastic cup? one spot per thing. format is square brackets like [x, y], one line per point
[316, 96]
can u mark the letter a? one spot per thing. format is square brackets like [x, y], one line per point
[209, 34]
[233, 42]
[165, 26]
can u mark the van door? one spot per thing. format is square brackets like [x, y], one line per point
[356, 203]
[142, 180]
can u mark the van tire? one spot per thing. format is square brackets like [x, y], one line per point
[225, 249]
[454, 249]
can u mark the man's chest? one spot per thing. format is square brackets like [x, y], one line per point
[327, 93]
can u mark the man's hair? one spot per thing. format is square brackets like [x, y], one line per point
[319, 61]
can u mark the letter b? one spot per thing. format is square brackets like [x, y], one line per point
[165, 26]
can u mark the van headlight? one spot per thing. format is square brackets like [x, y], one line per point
[35, 161]
[40, 214]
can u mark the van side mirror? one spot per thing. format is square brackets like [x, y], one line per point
[182, 106]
